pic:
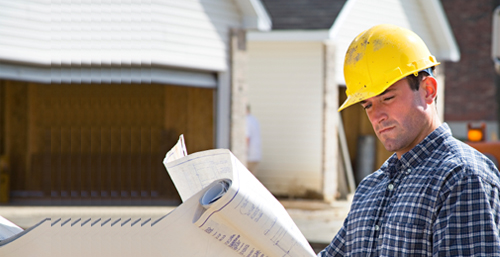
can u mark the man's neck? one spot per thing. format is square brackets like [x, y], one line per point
[433, 124]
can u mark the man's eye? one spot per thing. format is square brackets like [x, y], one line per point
[388, 98]
[366, 106]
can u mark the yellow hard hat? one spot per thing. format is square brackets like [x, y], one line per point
[379, 57]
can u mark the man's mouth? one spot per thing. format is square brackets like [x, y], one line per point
[384, 130]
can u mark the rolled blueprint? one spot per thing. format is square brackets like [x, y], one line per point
[215, 192]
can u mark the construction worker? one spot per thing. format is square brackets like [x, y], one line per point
[435, 195]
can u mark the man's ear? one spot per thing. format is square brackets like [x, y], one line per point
[429, 85]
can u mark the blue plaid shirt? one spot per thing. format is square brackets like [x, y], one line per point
[442, 198]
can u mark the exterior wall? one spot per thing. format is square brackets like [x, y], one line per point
[471, 92]
[285, 91]
[196, 33]
[189, 34]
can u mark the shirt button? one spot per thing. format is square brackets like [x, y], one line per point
[390, 187]
[408, 171]
[377, 227]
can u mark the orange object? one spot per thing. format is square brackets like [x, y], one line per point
[476, 133]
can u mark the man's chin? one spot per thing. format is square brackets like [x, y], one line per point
[389, 147]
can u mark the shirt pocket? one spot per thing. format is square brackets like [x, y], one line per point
[405, 239]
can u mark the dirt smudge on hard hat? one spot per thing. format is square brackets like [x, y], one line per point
[377, 44]
[355, 54]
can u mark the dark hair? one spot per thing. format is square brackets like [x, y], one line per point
[414, 81]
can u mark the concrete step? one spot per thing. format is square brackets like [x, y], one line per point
[318, 221]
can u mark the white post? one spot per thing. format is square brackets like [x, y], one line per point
[238, 94]
[330, 132]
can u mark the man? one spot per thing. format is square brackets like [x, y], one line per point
[435, 196]
[254, 153]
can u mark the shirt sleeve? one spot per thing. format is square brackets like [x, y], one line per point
[467, 224]
[337, 246]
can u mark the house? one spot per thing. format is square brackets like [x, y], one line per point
[473, 91]
[94, 93]
[295, 85]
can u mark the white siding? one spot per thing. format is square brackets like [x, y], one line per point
[285, 83]
[360, 15]
[187, 33]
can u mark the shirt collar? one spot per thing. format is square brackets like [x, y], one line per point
[420, 152]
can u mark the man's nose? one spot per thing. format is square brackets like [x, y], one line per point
[378, 113]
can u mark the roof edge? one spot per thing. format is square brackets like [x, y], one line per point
[341, 17]
[255, 16]
[450, 51]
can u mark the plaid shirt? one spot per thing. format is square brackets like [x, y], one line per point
[442, 198]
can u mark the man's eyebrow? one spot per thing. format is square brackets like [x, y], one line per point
[381, 94]
[386, 91]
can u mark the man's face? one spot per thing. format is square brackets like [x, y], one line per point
[398, 117]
